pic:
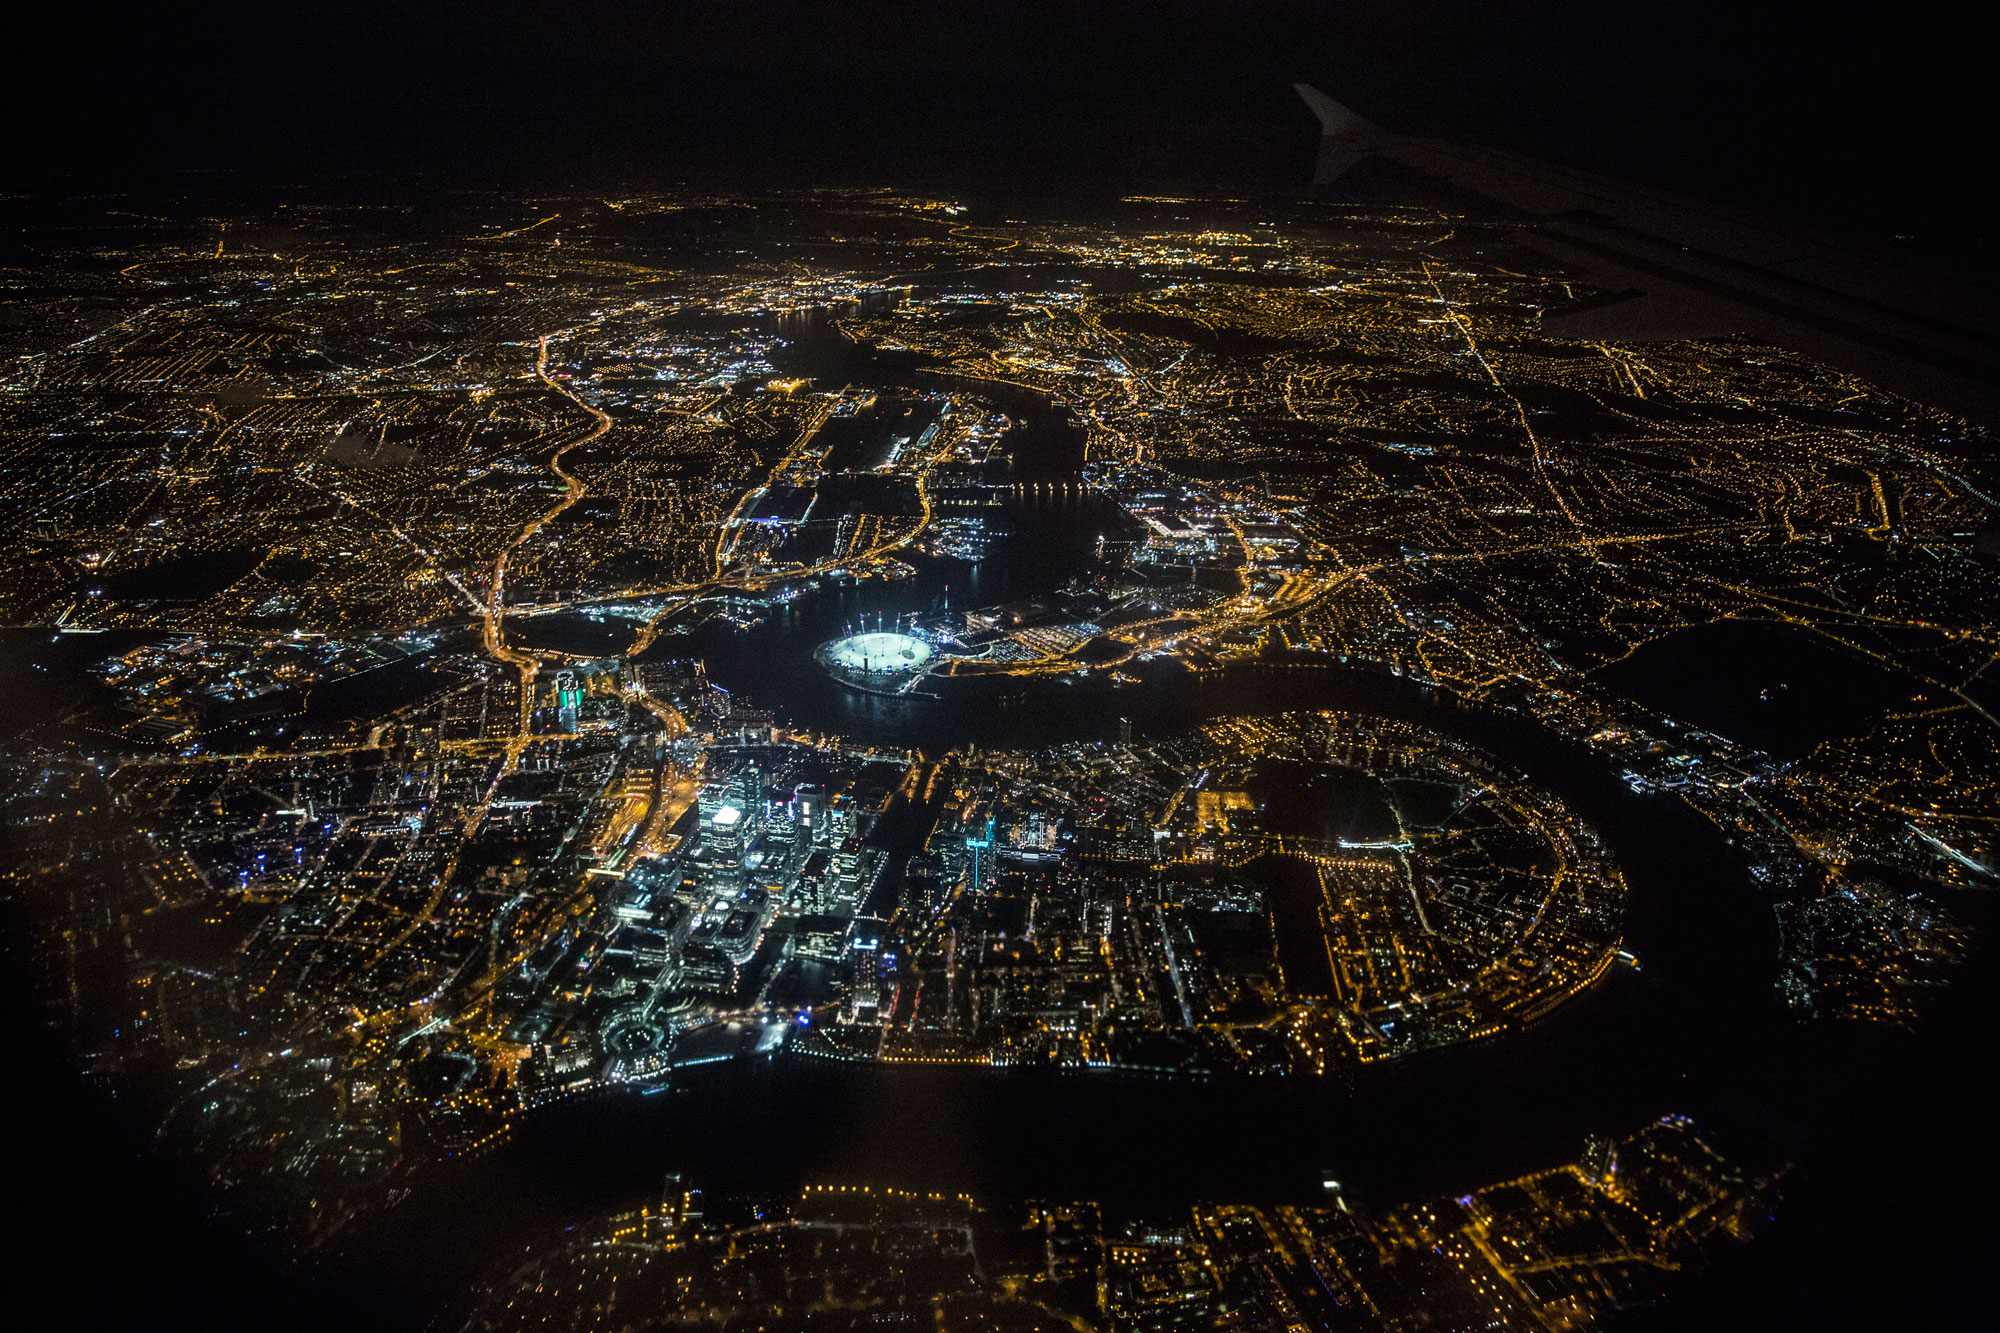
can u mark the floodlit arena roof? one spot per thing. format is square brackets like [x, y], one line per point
[879, 652]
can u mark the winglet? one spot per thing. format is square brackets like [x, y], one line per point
[1343, 134]
[1334, 119]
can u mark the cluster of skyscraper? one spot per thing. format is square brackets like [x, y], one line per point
[805, 851]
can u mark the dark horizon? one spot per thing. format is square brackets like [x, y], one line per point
[1863, 120]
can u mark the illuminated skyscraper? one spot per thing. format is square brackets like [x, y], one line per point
[748, 788]
[722, 851]
[711, 798]
[980, 851]
[569, 699]
[1600, 1158]
[810, 811]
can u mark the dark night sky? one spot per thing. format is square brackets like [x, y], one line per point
[1864, 117]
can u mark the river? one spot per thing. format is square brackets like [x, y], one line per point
[1697, 1030]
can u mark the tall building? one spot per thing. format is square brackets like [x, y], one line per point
[839, 823]
[569, 699]
[847, 876]
[810, 892]
[722, 852]
[780, 846]
[711, 798]
[979, 853]
[674, 1197]
[923, 881]
[810, 805]
[748, 787]
[1600, 1158]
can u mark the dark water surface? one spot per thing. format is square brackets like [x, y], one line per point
[1665, 1039]
[1777, 688]
[1697, 1030]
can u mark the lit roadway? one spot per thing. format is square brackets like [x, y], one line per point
[752, 579]
[494, 629]
[1300, 593]
[1520, 411]
[494, 634]
[725, 540]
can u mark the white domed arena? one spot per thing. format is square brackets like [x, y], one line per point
[881, 661]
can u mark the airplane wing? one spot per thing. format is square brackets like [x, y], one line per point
[1683, 269]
